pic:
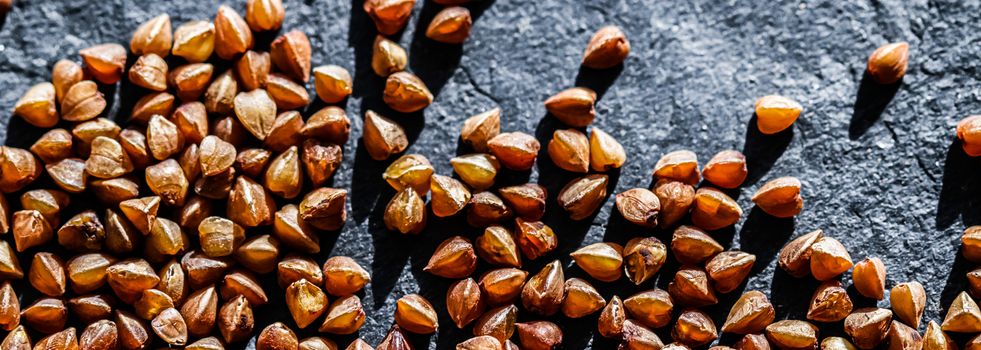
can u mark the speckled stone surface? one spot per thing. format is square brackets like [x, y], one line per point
[880, 168]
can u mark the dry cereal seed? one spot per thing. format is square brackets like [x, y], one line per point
[324, 208]
[888, 63]
[971, 243]
[194, 41]
[780, 197]
[406, 212]
[792, 334]
[296, 267]
[253, 69]
[652, 308]
[486, 209]
[534, 238]
[232, 34]
[692, 287]
[539, 335]
[306, 302]
[389, 16]
[691, 245]
[612, 318]
[82, 102]
[680, 166]
[410, 170]
[497, 246]
[605, 153]
[607, 48]
[713, 209]
[480, 128]
[969, 135]
[869, 278]
[775, 113]
[836, 343]
[150, 72]
[829, 258]
[332, 83]
[752, 313]
[236, 320]
[105, 62]
[383, 137]
[639, 206]
[935, 339]
[153, 37]
[963, 316]
[38, 106]
[64, 75]
[830, 303]
[676, 199]
[476, 343]
[415, 314]
[290, 53]
[264, 15]
[575, 106]
[694, 328]
[583, 196]
[464, 302]
[728, 270]
[477, 170]
[387, 57]
[219, 98]
[454, 258]
[643, 257]
[451, 25]
[449, 196]
[502, 286]
[795, 257]
[908, 301]
[276, 336]
[406, 93]
[727, 169]
[329, 124]
[527, 201]
[581, 299]
[602, 261]
[569, 150]
[543, 293]
[868, 327]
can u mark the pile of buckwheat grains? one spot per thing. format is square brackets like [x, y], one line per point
[207, 157]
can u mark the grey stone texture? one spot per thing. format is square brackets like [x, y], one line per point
[880, 167]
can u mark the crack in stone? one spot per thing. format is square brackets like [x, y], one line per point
[23, 71]
[923, 167]
[857, 213]
[803, 134]
[917, 33]
[477, 87]
[892, 133]
[932, 4]
[919, 160]
[599, 9]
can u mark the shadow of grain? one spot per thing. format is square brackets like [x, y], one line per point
[764, 235]
[762, 150]
[599, 80]
[960, 192]
[871, 101]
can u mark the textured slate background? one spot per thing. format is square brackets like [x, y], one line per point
[880, 170]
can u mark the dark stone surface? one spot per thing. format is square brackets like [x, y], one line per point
[880, 169]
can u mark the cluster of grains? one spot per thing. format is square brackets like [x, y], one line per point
[215, 180]
[490, 303]
[223, 154]
[826, 259]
